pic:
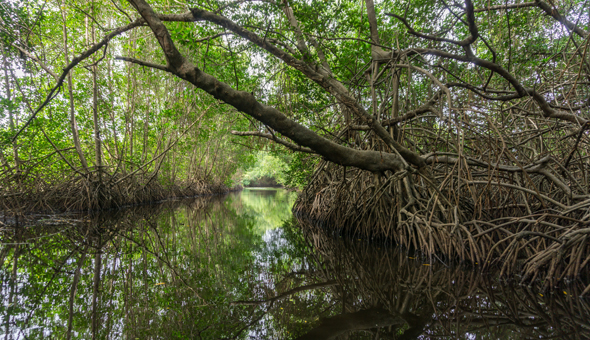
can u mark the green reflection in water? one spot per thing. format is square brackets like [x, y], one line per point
[269, 207]
[168, 271]
[240, 267]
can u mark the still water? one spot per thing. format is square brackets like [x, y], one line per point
[242, 267]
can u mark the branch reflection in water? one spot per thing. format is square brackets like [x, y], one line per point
[242, 267]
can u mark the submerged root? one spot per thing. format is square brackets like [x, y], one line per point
[535, 230]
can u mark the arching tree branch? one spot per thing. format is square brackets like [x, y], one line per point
[245, 102]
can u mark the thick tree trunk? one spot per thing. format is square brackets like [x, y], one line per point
[244, 101]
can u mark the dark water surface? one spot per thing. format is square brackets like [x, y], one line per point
[241, 267]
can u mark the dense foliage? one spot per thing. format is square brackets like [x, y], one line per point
[267, 166]
[105, 121]
[459, 129]
[454, 127]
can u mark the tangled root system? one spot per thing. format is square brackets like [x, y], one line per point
[518, 222]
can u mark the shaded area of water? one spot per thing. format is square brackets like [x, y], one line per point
[241, 267]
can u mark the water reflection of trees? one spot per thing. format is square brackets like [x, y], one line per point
[269, 207]
[142, 273]
[441, 302]
[205, 269]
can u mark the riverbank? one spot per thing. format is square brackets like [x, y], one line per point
[537, 239]
[90, 193]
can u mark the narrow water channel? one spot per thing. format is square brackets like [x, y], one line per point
[242, 267]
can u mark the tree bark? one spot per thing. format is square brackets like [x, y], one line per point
[243, 101]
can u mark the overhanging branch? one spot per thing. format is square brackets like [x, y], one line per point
[178, 65]
[52, 93]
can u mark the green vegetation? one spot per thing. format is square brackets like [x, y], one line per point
[267, 166]
[269, 207]
[211, 267]
[458, 128]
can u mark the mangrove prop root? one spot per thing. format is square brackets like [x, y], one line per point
[90, 192]
[533, 229]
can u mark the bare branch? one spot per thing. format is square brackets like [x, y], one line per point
[35, 59]
[501, 7]
[548, 111]
[465, 42]
[143, 63]
[553, 12]
[287, 294]
[291, 146]
[212, 37]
